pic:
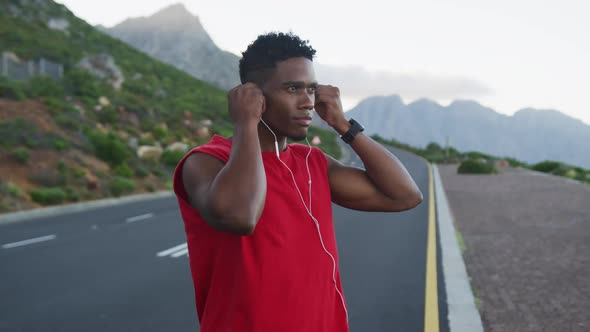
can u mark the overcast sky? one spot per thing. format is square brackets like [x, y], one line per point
[506, 54]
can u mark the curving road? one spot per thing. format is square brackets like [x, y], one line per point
[125, 268]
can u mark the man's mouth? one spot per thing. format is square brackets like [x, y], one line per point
[304, 121]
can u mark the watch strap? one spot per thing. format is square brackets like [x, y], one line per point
[355, 128]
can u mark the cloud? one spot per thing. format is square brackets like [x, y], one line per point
[357, 83]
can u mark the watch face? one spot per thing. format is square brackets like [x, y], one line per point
[352, 132]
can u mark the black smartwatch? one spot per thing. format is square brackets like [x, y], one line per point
[355, 128]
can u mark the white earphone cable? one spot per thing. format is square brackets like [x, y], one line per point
[308, 209]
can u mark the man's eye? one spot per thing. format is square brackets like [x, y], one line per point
[311, 89]
[292, 88]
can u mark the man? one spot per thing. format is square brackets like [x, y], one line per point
[257, 211]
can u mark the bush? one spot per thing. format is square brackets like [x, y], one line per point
[69, 120]
[157, 172]
[172, 158]
[60, 145]
[119, 185]
[546, 166]
[78, 173]
[478, 155]
[11, 90]
[62, 167]
[81, 83]
[109, 148]
[21, 154]
[43, 86]
[169, 185]
[160, 132]
[108, 115]
[18, 131]
[146, 141]
[141, 171]
[58, 106]
[72, 194]
[433, 148]
[123, 170]
[13, 190]
[515, 162]
[471, 166]
[48, 196]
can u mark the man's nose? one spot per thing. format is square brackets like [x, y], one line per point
[308, 101]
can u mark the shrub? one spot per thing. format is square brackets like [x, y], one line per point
[41, 86]
[109, 148]
[62, 167]
[160, 132]
[157, 172]
[108, 115]
[119, 185]
[433, 147]
[16, 132]
[72, 194]
[515, 162]
[546, 166]
[471, 166]
[58, 105]
[13, 190]
[48, 196]
[69, 120]
[21, 154]
[146, 141]
[11, 90]
[478, 155]
[169, 185]
[60, 145]
[150, 187]
[123, 170]
[81, 83]
[171, 158]
[78, 173]
[141, 171]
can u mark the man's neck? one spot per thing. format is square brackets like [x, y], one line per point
[267, 140]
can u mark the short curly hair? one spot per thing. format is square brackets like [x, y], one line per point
[270, 48]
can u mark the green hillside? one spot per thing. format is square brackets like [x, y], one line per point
[75, 133]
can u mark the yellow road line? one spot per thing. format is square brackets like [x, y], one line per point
[431, 323]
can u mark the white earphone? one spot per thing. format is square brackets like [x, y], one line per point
[308, 208]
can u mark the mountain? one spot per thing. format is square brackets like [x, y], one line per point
[85, 116]
[176, 36]
[529, 135]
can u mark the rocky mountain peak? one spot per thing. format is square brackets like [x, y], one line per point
[173, 18]
[173, 13]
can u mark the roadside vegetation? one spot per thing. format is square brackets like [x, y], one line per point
[474, 162]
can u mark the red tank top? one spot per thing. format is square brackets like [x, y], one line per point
[279, 278]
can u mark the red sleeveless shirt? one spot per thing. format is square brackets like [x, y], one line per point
[279, 278]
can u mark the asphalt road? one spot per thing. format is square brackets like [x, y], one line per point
[125, 268]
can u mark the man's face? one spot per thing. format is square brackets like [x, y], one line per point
[290, 95]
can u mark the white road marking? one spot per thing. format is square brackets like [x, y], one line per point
[140, 217]
[29, 241]
[180, 253]
[179, 250]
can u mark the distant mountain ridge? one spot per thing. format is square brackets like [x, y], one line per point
[177, 37]
[529, 135]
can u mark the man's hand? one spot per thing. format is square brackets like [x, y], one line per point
[246, 104]
[329, 108]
